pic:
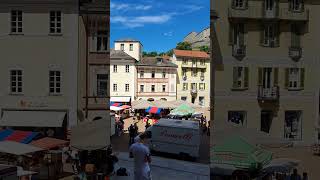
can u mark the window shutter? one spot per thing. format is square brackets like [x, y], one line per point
[231, 38]
[262, 35]
[290, 5]
[247, 3]
[246, 77]
[233, 3]
[245, 26]
[302, 78]
[302, 5]
[235, 77]
[275, 78]
[241, 34]
[277, 33]
[286, 80]
[260, 78]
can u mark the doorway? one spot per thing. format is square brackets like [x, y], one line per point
[266, 121]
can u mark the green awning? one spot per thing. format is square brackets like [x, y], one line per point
[183, 110]
[239, 153]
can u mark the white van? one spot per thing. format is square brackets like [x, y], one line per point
[175, 137]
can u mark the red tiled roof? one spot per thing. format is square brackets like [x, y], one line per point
[189, 53]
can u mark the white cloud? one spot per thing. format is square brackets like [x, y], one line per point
[168, 34]
[127, 7]
[140, 20]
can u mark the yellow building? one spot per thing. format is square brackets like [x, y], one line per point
[266, 76]
[193, 76]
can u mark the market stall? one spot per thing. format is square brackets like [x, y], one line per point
[183, 110]
[17, 136]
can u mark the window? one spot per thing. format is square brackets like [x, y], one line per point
[16, 21]
[102, 84]
[240, 77]
[163, 74]
[237, 117]
[184, 72]
[16, 81]
[202, 62]
[194, 86]
[152, 88]
[184, 98]
[292, 126]
[102, 41]
[122, 47]
[55, 22]
[185, 87]
[202, 86]
[184, 61]
[201, 100]
[127, 68]
[115, 87]
[202, 72]
[294, 78]
[141, 88]
[238, 34]
[239, 4]
[296, 5]
[194, 62]
[141, 74]
[115, 68]
[163, 88]
[131, 47]
[295, 35]
[127, 87]
[194, 72]
[270, 36]
[153, 74]
[54, 82]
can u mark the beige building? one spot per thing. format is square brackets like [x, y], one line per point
[123, 77]
[93, 74]
[266, 67]
[39, 63]
[156, 79]
[193, 76]
[130, 46]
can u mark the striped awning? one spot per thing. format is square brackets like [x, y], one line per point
[49, 143]
[17, 136]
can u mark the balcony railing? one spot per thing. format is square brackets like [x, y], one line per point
[295, 53]
[259, 13]
[268, 94]
[239, 51]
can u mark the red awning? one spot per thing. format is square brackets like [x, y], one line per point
[49, 143]
[125, 107]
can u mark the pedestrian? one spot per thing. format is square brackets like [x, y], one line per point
[147, 125]
[304, 176]
[201, 121]
[131, 134]
[141, 154]
[204, 129]
[295, 175]
[136, 129]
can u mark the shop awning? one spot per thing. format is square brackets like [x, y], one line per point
[153, 110]
[11, 147]
[120, 99]
[115, 108]
[17, 136]
[49, 143]
[32, 119]
[125, 107]
[91, 135]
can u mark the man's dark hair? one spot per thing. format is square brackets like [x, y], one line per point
[143, 136]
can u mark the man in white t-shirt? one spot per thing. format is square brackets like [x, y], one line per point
[141, 154]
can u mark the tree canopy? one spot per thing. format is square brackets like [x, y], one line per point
[184, 46]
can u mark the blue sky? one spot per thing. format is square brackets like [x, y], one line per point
[158, 24]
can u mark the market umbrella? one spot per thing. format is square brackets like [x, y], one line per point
[239, 153]
[153, 110]
[115, 108]
[115, 104]
[183, 110]
[141, 104]
[125, 106]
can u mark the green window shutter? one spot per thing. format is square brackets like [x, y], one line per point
[231, 34]
[246, 77]
[235, 77]
[302, 78]
[260, 76]
[286, 78]
[275, 78]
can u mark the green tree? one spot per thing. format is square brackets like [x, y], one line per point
[184, 46]
[161, 54]
[170, 52]
[204, 48]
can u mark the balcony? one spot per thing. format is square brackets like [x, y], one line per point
[193, 92]
[248, 13]
[295, 53]
[239, 51]
[287, 14]
[268, 94]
